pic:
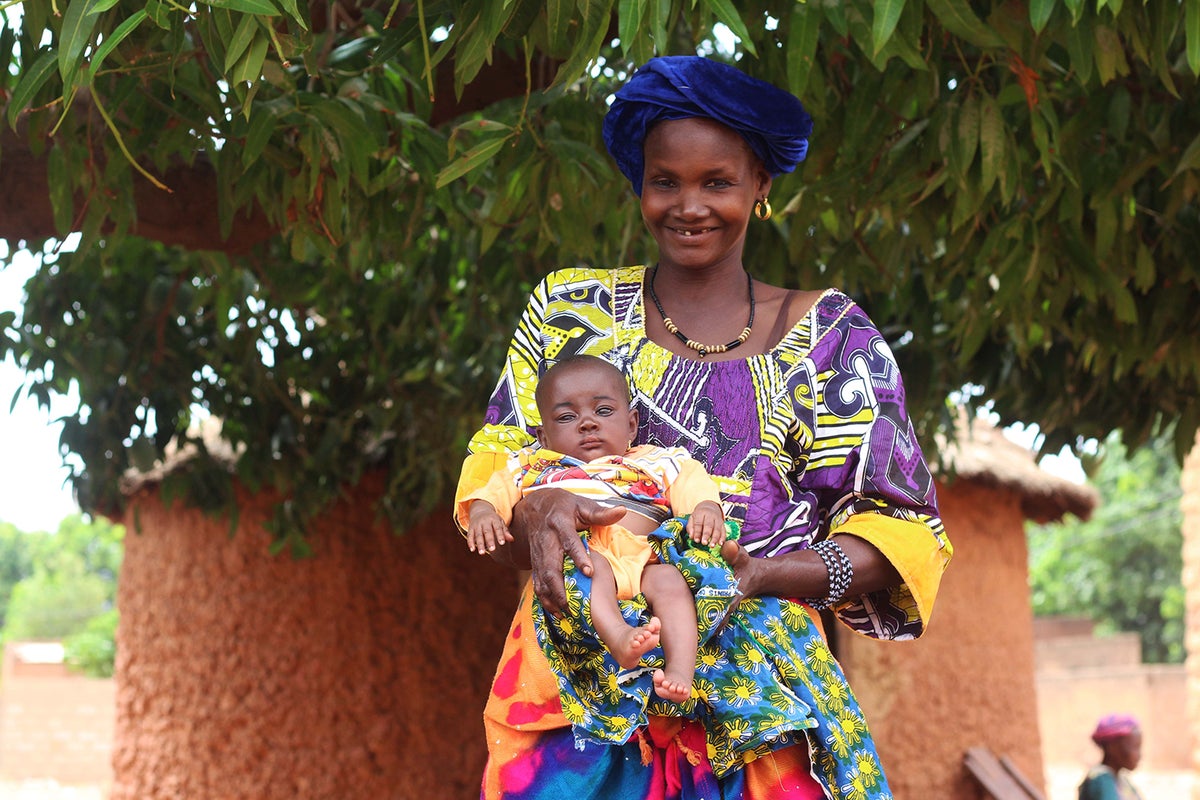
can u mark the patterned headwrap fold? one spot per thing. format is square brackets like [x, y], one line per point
[1113, 726]
[773, 122]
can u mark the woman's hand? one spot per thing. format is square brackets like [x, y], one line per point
[548, 522]
[802, 574]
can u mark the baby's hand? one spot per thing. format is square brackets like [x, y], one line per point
[706, 525]
[487, 530]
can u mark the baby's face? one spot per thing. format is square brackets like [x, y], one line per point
[586, 414]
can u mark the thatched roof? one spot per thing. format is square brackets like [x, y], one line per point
[981, 453]
[175, 456]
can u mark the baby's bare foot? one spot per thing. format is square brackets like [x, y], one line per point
[636, 642]
[676, 688]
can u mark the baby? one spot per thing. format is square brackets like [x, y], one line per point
[585, 447]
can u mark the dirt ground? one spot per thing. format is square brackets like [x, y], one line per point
[48, 790]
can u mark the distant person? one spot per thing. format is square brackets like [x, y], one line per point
[1119, 738]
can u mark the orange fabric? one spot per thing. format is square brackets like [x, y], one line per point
[627, 554]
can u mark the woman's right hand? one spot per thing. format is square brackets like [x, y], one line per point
[549, 521]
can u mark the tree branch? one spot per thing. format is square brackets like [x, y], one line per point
[187, 216]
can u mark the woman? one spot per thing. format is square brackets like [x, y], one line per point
[1120, 739]
[791, 399]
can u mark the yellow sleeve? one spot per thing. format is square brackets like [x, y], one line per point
[690, 487]
[910, 546]
[499, 489]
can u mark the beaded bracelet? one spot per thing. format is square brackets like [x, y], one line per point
[840, 570]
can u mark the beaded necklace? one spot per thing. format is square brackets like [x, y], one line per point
[704, 349]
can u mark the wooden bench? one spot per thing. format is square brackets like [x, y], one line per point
[999, 777]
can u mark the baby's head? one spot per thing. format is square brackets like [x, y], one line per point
[585, 408]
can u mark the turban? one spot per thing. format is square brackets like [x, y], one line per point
[773, 122]
[1113, 726]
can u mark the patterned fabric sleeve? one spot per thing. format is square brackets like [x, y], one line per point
[512, 412]
[881, 489]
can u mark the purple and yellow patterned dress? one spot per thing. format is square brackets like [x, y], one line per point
[807, 441]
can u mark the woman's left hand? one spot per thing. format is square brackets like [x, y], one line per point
[745, 568]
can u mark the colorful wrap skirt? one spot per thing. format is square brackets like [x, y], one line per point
[765, 679]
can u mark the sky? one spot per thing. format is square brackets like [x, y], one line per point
[32, 494]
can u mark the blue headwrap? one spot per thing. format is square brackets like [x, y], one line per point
[773, 122]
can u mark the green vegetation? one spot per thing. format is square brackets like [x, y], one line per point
[362, 194]
[1122, 568]
[63, 585]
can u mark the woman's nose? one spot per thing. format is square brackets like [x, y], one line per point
[691, 204]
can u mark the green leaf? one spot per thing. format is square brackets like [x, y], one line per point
[991, 142]
[102, 5]
[1079, 47]
[262, 125]
[959, 19]
[240, 43]
[660, 15]
[1039, 13]
[559, 14]
[293, 11]
[473, 158]
[596, 17]
[966, 140]
[724, 11]
[76, 33]
[115, 38]
[887, 15]
[62, 200]
[1191, 25]
[802, 46]
[261, 7]
[1144, 271]
[1190, 158]
[249, 68]
[836, 14]
[353, 134]
[31, 82]
[1110, 54]
[630, 14]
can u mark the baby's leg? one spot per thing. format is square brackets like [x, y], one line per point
[626, 643]
[669, 596]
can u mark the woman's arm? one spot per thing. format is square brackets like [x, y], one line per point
[803, 575]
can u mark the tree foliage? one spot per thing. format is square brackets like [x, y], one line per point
[65, 588]
[1009, 188]
[1123, 567]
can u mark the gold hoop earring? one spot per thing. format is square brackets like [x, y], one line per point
[762, 209]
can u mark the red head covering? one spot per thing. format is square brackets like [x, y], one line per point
[1113, 726]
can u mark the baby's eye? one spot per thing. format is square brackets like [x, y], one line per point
[563, 418]
[604, 411]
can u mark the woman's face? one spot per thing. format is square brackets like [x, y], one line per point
[1126, 752]
[698, 191]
